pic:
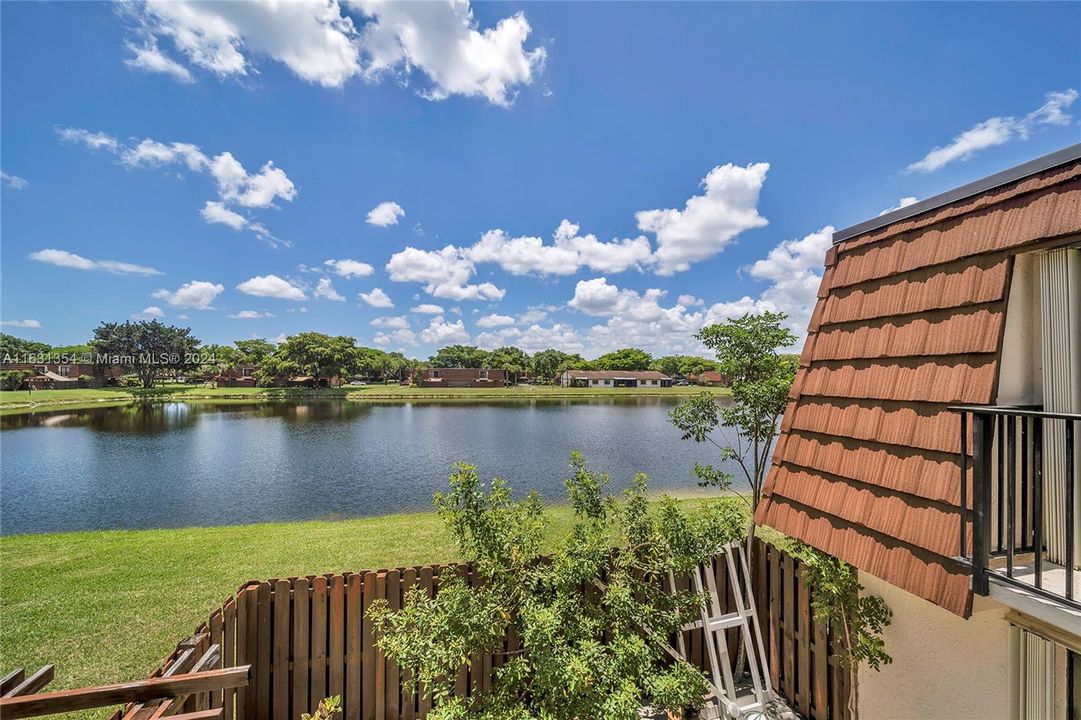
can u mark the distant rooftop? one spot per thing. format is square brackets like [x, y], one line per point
[618, 375]
[1032, 167]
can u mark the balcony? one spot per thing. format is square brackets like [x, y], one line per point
[1019, 518]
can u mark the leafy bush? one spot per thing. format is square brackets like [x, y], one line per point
[132, 381]
[329, 709]
[13, 379]
[592, 615]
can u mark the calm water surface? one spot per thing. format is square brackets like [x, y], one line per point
[180, 464]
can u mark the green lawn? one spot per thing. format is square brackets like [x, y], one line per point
[13, 402]
[108, 606]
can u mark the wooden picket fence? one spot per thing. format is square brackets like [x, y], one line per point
[803, 667]
[311, 637]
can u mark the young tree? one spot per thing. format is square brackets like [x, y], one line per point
[860, 619]
[459, 356]
[147, 348]
[748, 350]
[624, 359]
[596, 653]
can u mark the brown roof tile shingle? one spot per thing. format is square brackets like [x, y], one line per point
[909, 320]
[917, 425]
[921, 473]
[971, 329]
[951, 379]
[957, 284]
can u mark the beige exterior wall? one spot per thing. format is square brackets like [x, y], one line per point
[943, 666]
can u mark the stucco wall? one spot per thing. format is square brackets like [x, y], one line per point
[943, 666]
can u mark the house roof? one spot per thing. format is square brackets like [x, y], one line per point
[618, 375]
[909, 320]
[711, 376]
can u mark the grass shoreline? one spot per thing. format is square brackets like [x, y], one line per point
[17, 402]
[106, 605]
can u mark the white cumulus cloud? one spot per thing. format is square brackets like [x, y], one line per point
[445, 274]
[349, 268]
[427, 309]
[494, 320]
[902, 203]
[440, 332]
[708, 222]
[325, 289]
[327, 42]
[149, 313]
[271, 286]
[385, 214]
[239, 191]
[376, 298]
[197, 294]
[27, 324]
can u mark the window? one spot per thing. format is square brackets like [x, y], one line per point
[483, 375]
[433, 373]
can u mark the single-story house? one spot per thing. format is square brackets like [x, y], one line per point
[614, 378]
[460, 377]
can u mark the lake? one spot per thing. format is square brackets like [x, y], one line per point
[186, 464]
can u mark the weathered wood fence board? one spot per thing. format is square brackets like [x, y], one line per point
[310, 637]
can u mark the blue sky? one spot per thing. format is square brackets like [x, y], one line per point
[584, 176]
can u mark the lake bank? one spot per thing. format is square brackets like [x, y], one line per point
[18, 402]
[73, 599]
[230, 461]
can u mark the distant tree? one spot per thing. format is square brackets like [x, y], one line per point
[394, 366]
[149, 349]
[694, 365]
[550, 364]
[310, 353]
[624, 359]
[13, 379]
[459, 356]
[682, 365]
[12, 349]
[513, 360]
[255, 350]
[73, 353]
[216, 359]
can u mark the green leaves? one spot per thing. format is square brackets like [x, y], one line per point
[835, 597]
[749, 352]
[592, 614]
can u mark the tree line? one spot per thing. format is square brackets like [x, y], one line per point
[149, 352]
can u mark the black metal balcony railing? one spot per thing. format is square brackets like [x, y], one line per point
[1022, 522]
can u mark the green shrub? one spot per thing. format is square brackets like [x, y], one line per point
[591, 649]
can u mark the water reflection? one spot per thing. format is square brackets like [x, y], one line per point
[178, 464]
